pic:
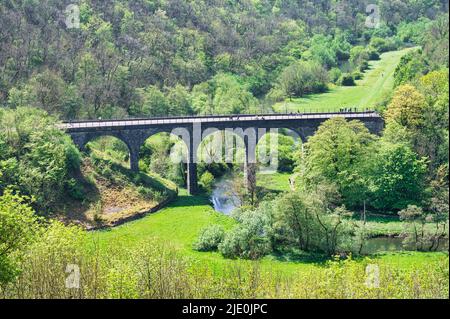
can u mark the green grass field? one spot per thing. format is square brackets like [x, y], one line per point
[375, 86]
[179, 224]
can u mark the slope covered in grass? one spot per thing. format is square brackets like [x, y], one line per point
[110, 194]
[372, 89]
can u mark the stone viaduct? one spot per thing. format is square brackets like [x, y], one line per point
[134, 132]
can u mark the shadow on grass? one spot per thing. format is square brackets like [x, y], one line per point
[297, 256]
[188, 201]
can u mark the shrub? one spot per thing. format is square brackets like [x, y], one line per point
[74, 189]
[251, 239]
[335, 74]
[357, 75]
[207, 181]
[302, 78]
[379, 44]
[209, 239]
[374, 55]
[347, 80]
[242, 242]
[145, 192]
[363, 66]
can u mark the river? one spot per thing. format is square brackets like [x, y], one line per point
[222, 197]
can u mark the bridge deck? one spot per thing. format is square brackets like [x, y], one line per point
[214, 119]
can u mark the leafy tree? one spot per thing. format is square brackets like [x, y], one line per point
[359, 57]
[382, 45]
[207, 181]
[341, 47]
[424, 115]
[436, 42]
[397, 177]
[280, 147]
[18, 228]
[412, 32]
[39, 158]
[321, 50]
[335, 74]
[412, 65]
[179, 100]
[250, 239]
[154, 102]
[415, 231]
[302, 78]
[337, 154]
[406, 107]
[223, 94]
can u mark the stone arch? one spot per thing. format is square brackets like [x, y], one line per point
[232, 146]
[267, 150]
[82, 141]
[175, 154]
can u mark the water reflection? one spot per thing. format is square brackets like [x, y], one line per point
[380, 244]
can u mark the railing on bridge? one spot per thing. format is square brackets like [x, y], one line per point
[215, 118]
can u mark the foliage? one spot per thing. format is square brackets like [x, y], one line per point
[250, 239]
[38, 158]
[414, 232]
[411, 66]
[302, 78]
[18, 229]
[206, 181]
[223, 94]
[312, 221]
[209, 238]
[406, 107]
[347, 80]
[397, 177]
[337, 154]
[280, 148]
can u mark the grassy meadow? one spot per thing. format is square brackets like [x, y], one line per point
[373, 88]
[181, 221]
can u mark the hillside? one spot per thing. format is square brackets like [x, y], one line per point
[110, 194]
[372, 89]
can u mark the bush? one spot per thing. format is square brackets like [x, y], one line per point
[347, 80]
[357, 75]
[335, 74]
[251, 239]
[241, 242]
[39, 158]
[146, 193]
[363, 66]
[374, 55]
[74, 189]
[209, 239]
[302, 78]
[207, 181]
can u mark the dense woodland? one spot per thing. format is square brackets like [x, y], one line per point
[172, 57]
[176, 57]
